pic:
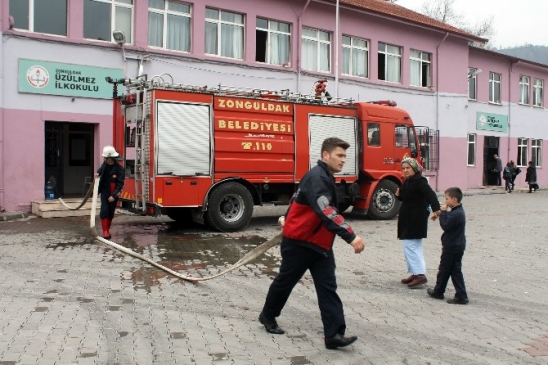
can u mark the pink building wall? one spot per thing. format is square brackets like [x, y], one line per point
[444, 106]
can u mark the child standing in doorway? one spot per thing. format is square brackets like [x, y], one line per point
[453, 242]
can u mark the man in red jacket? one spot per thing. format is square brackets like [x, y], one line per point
[309, 230]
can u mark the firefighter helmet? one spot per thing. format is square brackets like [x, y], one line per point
[109, 151]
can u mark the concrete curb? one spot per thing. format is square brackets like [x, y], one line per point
[10, 216]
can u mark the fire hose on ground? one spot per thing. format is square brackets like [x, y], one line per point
[247, 258]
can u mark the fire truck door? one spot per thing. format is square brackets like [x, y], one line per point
[183, 139]
[379, 146]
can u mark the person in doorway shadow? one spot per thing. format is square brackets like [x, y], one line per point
[497, 170]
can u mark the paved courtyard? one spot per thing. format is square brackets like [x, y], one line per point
[68, 299]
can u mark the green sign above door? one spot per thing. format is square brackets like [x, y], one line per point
[491, 122]
[52, 78]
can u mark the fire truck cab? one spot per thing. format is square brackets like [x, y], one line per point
[209, 155]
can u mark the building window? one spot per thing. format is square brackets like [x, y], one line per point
[224, 34]
[420, 69]
[102, 17]
[524, 82]
[538, 92]
[169, 25]
[494, 88]
[37, 16]
[523, 144]
[389, 63]
[272, 42]
[471, 149]
[536, 151]
[472, 83]
[355, 56]
[316, 50]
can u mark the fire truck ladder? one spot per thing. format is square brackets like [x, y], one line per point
[142, 148]
[158, 82]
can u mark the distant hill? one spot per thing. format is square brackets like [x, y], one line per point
[528, 52]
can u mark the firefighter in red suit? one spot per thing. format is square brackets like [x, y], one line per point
[309, 229]
[110, 186]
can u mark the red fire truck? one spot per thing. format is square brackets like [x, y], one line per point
[208, 155]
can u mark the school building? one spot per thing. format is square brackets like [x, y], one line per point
[56, 109]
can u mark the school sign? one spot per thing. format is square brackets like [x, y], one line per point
[53, 78]
[491, 122]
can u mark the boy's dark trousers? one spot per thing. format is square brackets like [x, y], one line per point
[451, 267]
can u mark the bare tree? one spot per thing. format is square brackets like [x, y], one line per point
[444, 11]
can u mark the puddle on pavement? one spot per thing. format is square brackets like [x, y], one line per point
[190, 254]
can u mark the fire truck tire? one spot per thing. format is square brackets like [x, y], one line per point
[384, 204]
[230, 207]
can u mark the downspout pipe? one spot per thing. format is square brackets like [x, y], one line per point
[337, 51]
[438, 96]
[299, 27]
[511, 70]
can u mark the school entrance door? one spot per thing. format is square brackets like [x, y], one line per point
[68, 157]
[490, 148]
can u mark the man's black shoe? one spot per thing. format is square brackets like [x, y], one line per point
[433, 294]
[271, 326]
[339, 341]
[457, 301]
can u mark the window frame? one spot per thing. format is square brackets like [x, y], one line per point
[386, 54]
[318, 42]
[524, 89]
[113, 5]
[352, 49]
[422, 63]
[493, 86]
[473, 143]
[31, 18]
[373, 140]
[474, 79]
[165, 13]
[536, 152]
[538, 93]
[268, 46]
[523, 146]
[219, 22]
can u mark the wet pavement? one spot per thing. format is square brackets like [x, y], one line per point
[66, 298]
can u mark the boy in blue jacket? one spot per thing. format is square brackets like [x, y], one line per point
[453, 243]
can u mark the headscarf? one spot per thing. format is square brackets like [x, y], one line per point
[414, 164]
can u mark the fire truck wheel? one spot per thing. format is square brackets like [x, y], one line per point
[384, 204]
[230, 207]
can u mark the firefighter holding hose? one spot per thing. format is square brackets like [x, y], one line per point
[110, 186]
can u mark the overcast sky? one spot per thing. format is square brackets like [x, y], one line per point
[515, 22]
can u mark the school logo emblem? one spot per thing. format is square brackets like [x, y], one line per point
[37, 76]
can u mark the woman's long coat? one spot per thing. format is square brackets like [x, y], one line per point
[416, 195]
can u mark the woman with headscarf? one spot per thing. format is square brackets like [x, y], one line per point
[416, 197]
